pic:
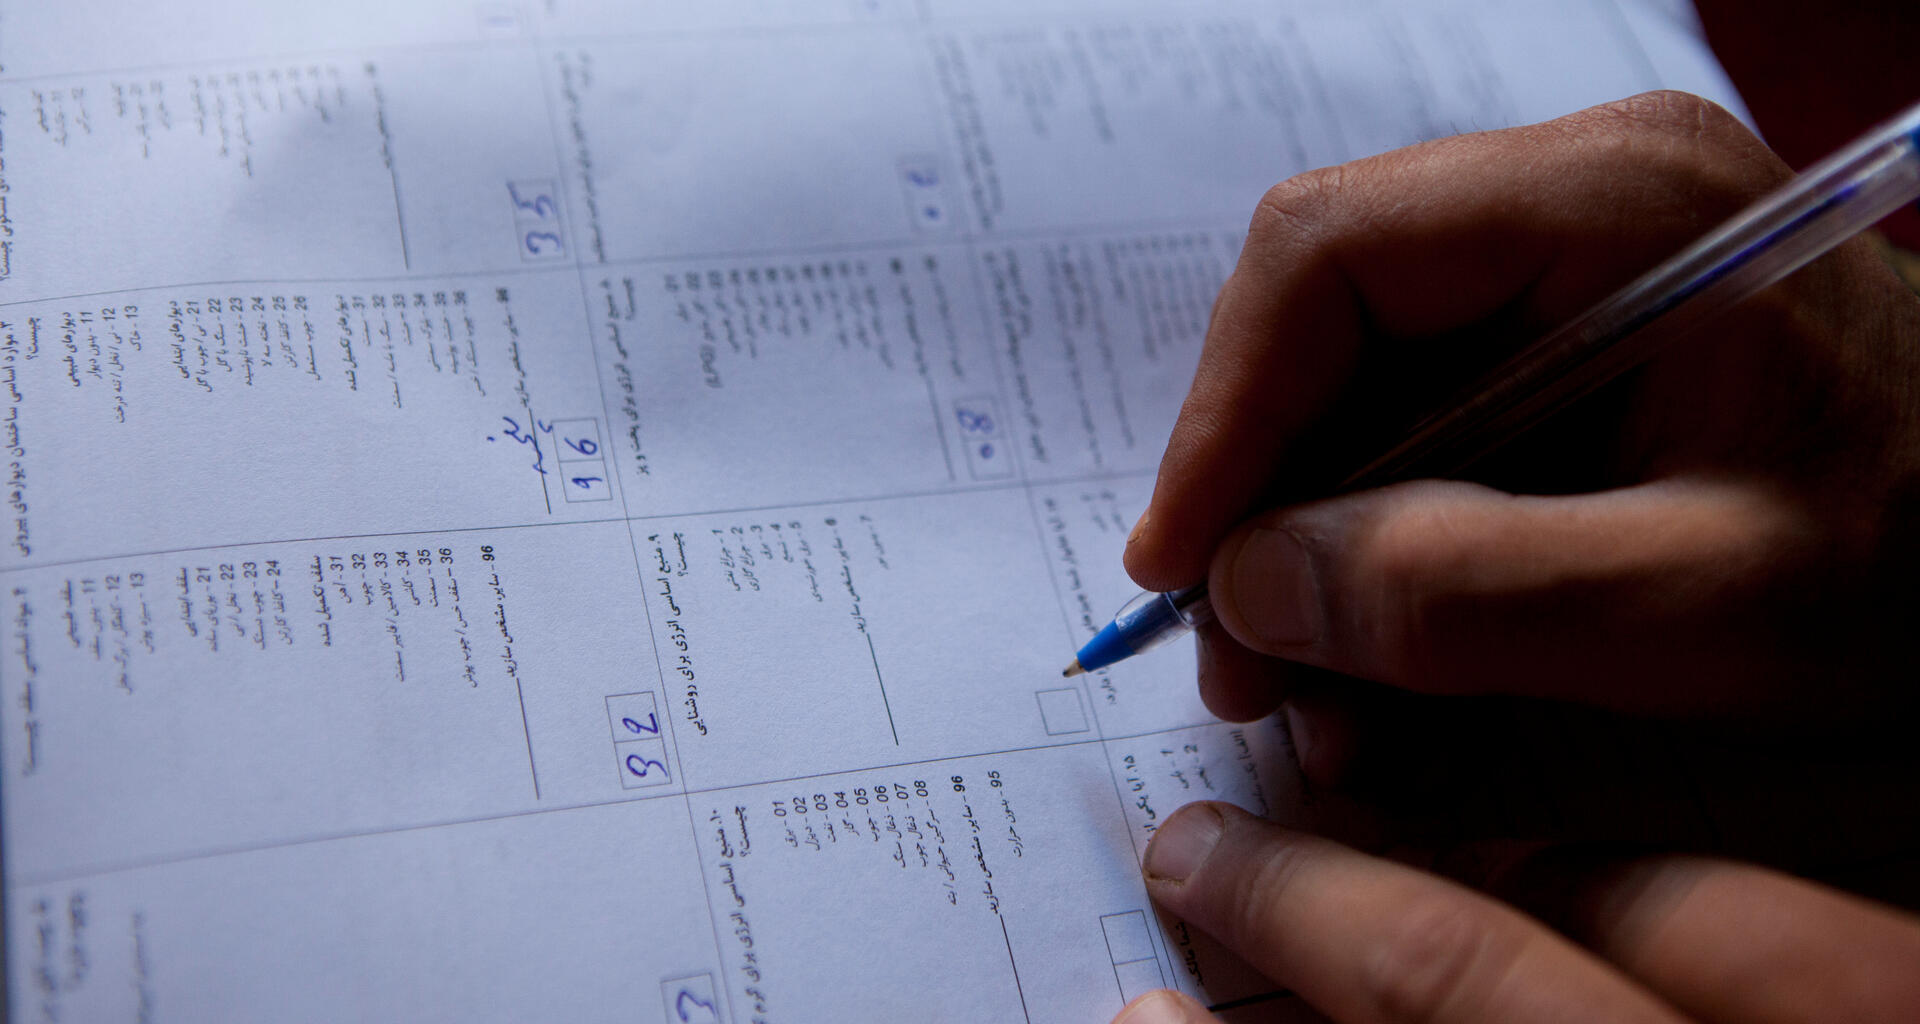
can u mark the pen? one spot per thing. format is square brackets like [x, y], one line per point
[1831, 202]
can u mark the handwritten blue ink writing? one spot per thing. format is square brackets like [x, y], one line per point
[681, 1009]
[530, 439]
[639, 765]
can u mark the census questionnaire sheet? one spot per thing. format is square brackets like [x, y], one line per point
[574, 510]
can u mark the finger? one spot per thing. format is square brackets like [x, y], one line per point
[1390, 747]
[1726, 941]
[1613, 599]
[1346, 733]
[1331, 718]
[1165, 1006]
[1366, 940]
[1507, 232]
[1238, 684]
[1323, 738]
[1444, 768]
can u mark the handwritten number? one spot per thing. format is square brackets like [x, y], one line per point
[681, 1009]
[513, 434]
[533, 245]
[542, 204]
[638, 765]
[652, 728]
[585, 483]
[584, 446]
[974, 422]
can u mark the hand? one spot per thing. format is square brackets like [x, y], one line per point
[1723, 535]
[1667, 939]
[1726, 532]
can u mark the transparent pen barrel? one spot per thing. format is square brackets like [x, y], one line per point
[1826, 204]
[1151, 620]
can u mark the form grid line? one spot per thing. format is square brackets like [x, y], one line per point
[234, 849]
[857, 499]
[537, 51]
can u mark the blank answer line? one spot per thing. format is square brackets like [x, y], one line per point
[883, 687]
[399, 216]
[1018, 989]
[527, 734]
[940, 429]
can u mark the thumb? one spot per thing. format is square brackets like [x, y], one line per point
[1663, 596]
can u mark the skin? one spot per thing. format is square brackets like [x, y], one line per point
[1720, 540]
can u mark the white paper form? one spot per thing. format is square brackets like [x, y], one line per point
[574, 510]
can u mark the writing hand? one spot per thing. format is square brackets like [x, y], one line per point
[1725, 532]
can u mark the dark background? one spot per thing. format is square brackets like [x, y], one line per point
[1817, 74]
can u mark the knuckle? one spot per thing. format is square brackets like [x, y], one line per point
[1682, 145]
[1443, 961]
[1681, 114]
[1300, 206]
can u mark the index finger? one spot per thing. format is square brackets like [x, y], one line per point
[1366, 291]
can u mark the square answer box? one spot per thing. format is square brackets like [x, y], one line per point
[690, 998]
[1060, 711]
[1138, 978]
[1127, 937]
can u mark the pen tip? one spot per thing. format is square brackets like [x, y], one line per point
[1072, 670]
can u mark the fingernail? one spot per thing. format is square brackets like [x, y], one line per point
[1273, 589]
[1301, 733]
[1157, 1007]
[1139, 528]
[1182, 842]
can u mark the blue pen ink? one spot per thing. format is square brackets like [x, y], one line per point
[532, 440]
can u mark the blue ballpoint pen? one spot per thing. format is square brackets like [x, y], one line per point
[1828, 204]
